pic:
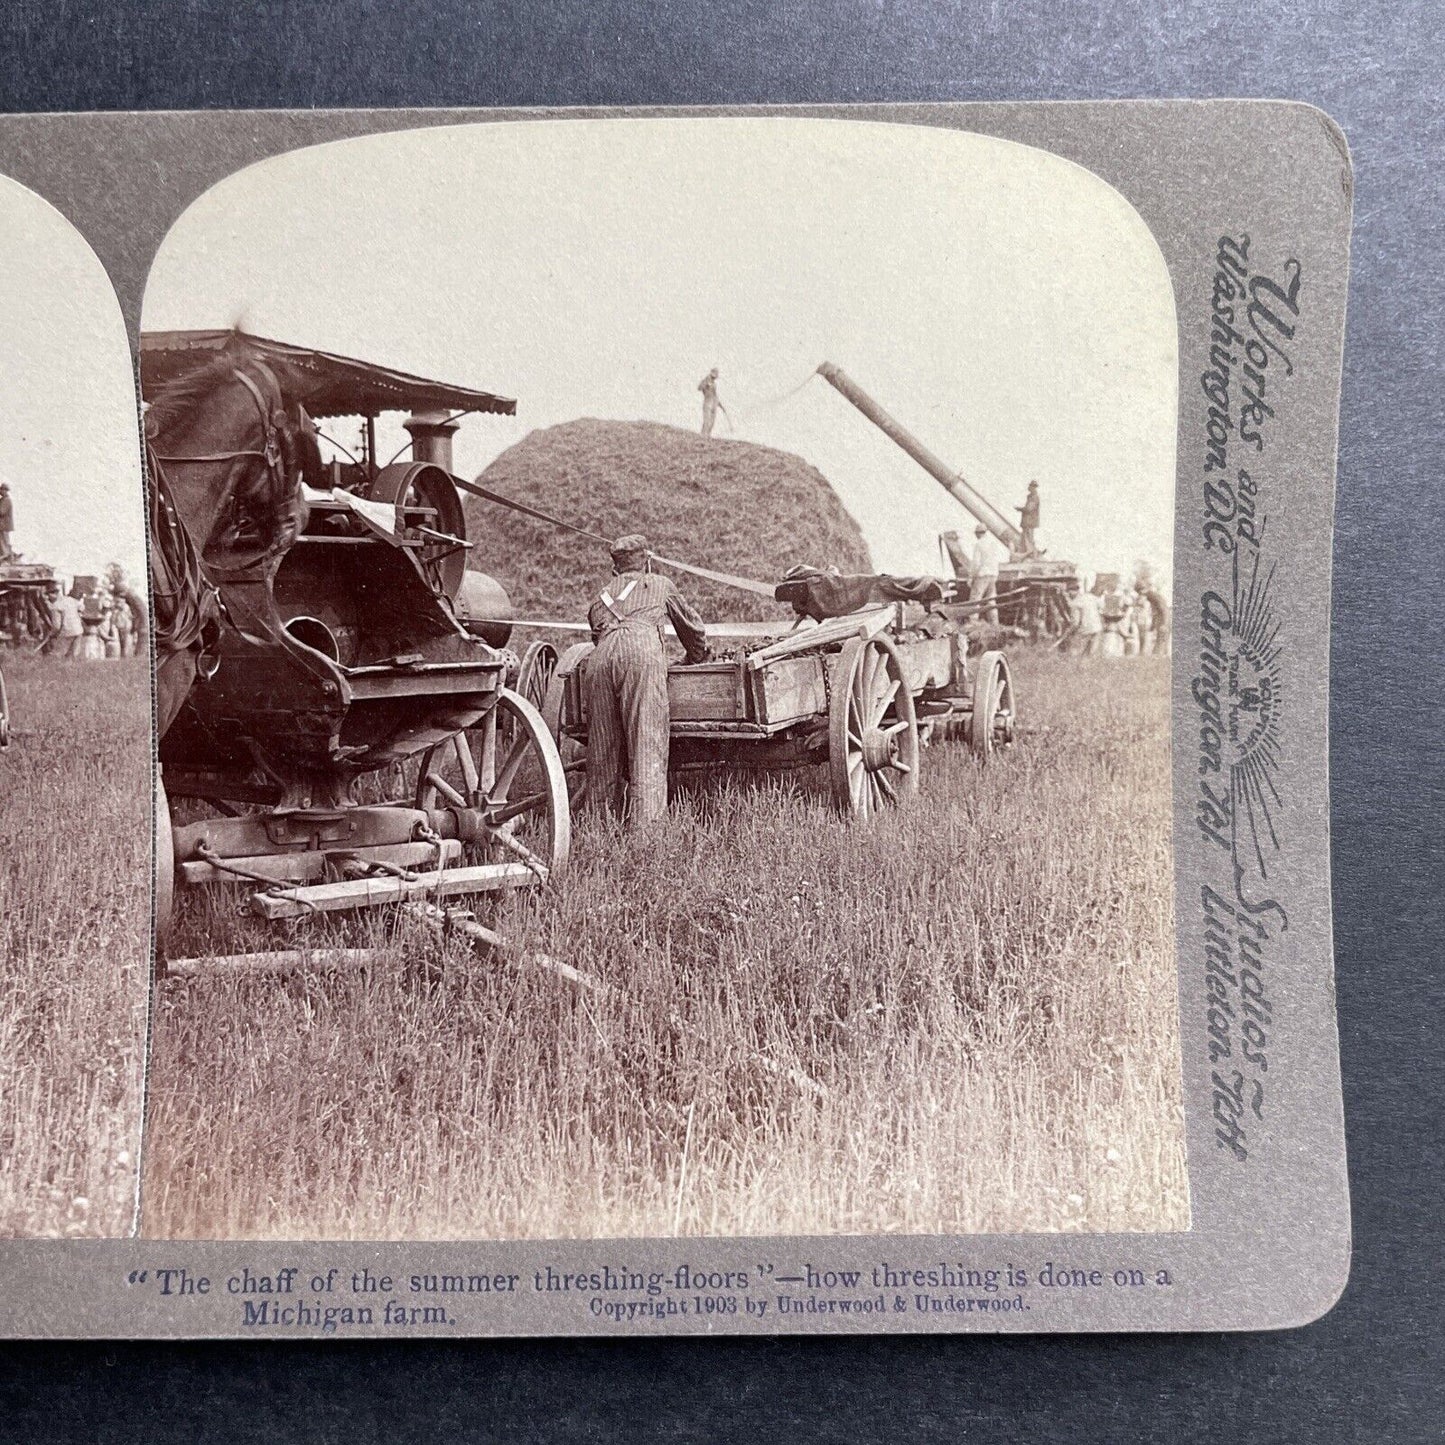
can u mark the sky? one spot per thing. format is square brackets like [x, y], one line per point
[68, 441]
[1007, 306]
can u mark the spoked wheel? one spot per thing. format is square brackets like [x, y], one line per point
[534, 677]
[165, 866]
[992, 724]
[872, 729]
[554, 706]
[506, 766]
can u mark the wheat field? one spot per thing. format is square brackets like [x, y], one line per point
[960, 1017]
[75, 863]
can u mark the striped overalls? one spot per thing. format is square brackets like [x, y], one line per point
[626, 692]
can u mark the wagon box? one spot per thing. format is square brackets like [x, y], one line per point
[790, 689]
[856, 692]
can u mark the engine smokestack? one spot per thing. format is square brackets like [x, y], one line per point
[431, 437]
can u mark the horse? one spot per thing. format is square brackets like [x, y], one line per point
[225, 460]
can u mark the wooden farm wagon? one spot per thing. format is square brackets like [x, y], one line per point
[358, 741]
[857, 692]
[25, 602]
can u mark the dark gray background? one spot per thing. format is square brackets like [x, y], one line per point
[1372, 1369]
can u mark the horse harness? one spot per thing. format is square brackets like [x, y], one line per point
[271, 423]
[195, 603]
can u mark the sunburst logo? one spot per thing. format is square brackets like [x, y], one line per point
[1253, 710]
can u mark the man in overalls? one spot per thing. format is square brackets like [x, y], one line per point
[628, 721]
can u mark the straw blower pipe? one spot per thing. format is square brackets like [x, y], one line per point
[949, 479]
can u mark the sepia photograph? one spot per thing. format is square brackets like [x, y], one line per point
[662, 679]
[75, 740]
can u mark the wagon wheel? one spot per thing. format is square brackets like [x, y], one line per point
[573, 751]
[534, 677]
[165, 866]
[872, 728]
[992, 723]
[506, 767]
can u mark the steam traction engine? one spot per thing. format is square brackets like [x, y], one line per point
[358, 742]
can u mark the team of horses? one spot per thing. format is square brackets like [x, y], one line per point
[227, 457]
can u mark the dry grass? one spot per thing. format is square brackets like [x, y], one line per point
[983, 985]
[74, 940]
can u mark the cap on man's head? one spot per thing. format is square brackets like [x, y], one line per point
[979, 530]
[1033, 486]
[630, 545]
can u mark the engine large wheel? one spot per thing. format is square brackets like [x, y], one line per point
[992, 724]
[506, 767]
[872, 728]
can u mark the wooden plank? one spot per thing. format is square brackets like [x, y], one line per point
[707, 691]
[370, 892]
[310, 865]
[791, 689]
[704, 728]
[440, 920]
[831, 633]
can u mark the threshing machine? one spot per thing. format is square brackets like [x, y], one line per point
[1033, 591]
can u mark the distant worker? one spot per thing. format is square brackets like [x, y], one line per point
[122, 625]
[127, 610]
[989, 554]
[1158, 615]
[1088, 618]
[7, 523]
[67, 624]
[628, 720]
[134, 601]
[710, 404]
[1129, 625]
[1143, 621]
[1029, 522]
[1114, 608]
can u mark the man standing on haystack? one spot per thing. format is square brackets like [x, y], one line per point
[710, 404]
[628, 721]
